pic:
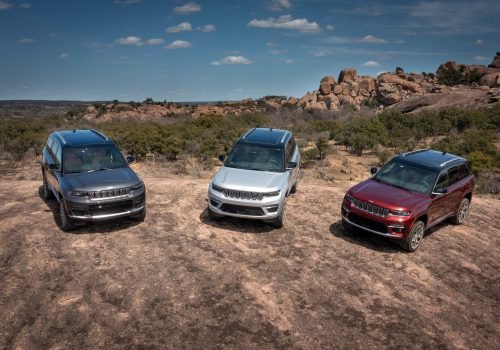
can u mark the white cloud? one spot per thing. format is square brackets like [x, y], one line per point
[319, 54]
[155, 41]
[480, 58]
[5, 5]
[330, 27]
[64, 55]
[129, 40]
[25, 5]
[287, 60]
[179, 44]
[285, 22]
[232, 60]
[479, 42]
[270, 44]
[278, 52]
[124, 58]
[338, 40]
[26, 41]
[181, 27]
[278, 5]
[208, 28]
[372, 40]
[188, 8]
[370, 64]
[400, 42]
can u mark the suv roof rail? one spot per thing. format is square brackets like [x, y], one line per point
[413, 152]
[287, 133]
[99, 133]
[451, 160]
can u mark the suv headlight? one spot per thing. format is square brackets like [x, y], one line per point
[217, 188]
[272, 194]
[399, 212]
[349, 197]
[138, 186]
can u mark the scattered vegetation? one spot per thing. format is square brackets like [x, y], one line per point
[469, 133]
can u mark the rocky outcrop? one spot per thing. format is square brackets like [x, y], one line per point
[490, 80]
[496, 61]
[347, 75]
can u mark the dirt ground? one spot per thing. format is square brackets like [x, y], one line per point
[179, 280]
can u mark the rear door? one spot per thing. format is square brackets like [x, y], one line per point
[292, 155]
[455, 188]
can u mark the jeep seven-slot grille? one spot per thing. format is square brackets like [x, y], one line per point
[370, 208]
[242, 194]
[106, 194]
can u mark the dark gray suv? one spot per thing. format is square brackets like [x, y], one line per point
[90, 178]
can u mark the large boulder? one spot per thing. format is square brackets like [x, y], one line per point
[400, 82]
[326, 84]
[347, 75]
[490, 80]
[496, 61]
[391, 98]
[367, 84]
[337, 89]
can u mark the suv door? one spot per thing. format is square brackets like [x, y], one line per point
[53, 155]
[457, 180]
[437, 209]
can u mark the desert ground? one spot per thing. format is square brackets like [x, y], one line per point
[179, 280]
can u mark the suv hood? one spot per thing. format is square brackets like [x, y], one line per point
[387, 196]
[249, 180]
[101, 180]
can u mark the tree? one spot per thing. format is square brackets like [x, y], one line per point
[322, 146]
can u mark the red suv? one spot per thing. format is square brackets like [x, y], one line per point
[411, 193]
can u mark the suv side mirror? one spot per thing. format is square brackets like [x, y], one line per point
[130, 159]
[222, 157]
[440, 191]
[373, 170]
[291, 165]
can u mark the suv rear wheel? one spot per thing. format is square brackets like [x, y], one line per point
[412, 242]
[66, 222]
[462, 211]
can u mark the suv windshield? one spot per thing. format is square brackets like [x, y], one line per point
[406, 176]
[256, 158]
[86, 159]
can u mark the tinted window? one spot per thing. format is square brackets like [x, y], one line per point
[453, 175]
[442, 181]
[56, 153]
[290, 150]
[463, 171]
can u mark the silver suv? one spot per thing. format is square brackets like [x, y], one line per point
[255, 180]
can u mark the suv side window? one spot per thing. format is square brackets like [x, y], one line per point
[442, 181]
[463, 171]
[56, 152]
[453, 175]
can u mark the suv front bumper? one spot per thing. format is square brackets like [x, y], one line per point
[106, 209]
[266, 209]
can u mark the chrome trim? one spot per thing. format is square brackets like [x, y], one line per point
[451, 160]
[107, 216]
[385, 234]
[416, 151]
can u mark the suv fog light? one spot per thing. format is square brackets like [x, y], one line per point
[273, 208]
[397, 228]
[214, 203]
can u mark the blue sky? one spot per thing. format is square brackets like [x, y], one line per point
[227, 50]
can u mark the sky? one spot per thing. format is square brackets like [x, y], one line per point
[200, 50]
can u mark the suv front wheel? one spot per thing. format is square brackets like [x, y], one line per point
[66, 222]
[47, 193]
[412, 242]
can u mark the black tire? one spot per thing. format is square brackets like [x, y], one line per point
[46, 192]
[412, 242]
[280, 220]
[214, 216]
[294, 187]
[462, 212]
[67, 223]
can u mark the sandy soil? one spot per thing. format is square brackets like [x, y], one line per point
[179, 280]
